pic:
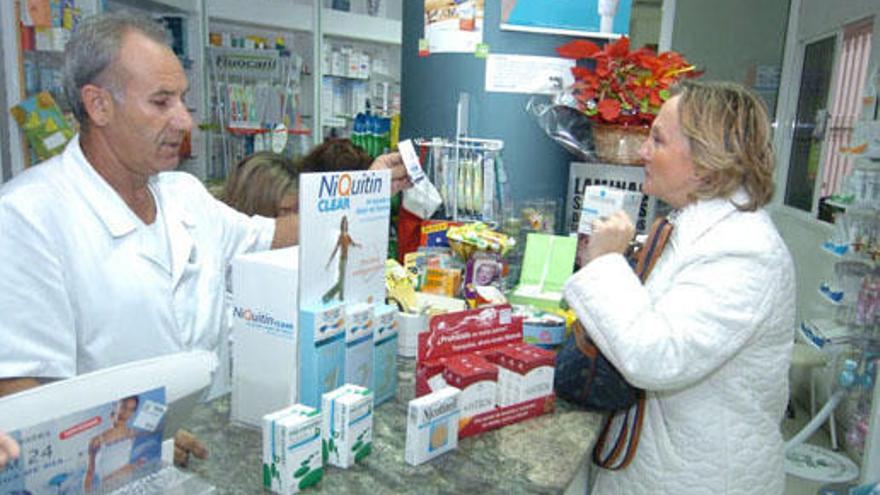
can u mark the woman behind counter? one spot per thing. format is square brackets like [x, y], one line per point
[709, 335]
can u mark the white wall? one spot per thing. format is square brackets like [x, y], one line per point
[727, 39]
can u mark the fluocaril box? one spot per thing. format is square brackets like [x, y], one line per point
[432, 425]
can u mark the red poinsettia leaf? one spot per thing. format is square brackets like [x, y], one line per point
[619, 48]
[655, 99]
[577, 49]
[609, 109]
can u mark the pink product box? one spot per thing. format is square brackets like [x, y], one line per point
[478, 380]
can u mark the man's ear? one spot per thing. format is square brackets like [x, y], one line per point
[98, 104]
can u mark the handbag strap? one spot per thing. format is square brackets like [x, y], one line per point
[650, 253]
[627, 437]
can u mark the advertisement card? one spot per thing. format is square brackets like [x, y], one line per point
[94, 450]
[590, 18]
[343, 234]
[453, 25]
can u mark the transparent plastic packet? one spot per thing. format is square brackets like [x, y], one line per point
[559, 117]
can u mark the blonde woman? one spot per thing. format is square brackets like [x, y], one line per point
[709, 335]
[264, 184]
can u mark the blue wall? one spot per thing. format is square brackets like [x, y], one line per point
[538, 167]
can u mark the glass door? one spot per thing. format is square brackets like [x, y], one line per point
[809, 125]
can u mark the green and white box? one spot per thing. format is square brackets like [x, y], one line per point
[292, 457]
[432, 425]
[347, 431]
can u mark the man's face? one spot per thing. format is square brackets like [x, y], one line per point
[147, 126]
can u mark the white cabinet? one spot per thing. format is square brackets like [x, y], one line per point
[30, 69]
[330, 98]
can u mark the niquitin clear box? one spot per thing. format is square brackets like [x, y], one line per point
[384, 353]
[321, 351]
[359, 344]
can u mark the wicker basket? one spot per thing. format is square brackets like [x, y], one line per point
[619, 144]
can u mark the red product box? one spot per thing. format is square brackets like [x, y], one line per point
[478, 381]
[463, 348]
[524, 373]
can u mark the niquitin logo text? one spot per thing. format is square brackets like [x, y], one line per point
[336, 190]
[261, 319]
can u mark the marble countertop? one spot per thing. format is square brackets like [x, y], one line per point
[540, 455]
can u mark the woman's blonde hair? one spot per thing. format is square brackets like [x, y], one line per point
[729, 135]
[258, 183]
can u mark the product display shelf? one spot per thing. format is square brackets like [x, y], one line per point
[823, 333]
[378, 35]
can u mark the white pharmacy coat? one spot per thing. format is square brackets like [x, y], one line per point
[83, 286]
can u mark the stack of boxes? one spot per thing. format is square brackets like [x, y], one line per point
[359, 344]
[477, 379]
[525, 372]
[347, 432]
[292, 449]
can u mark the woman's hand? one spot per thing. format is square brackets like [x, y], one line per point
[610, 235]
[394, 163]
[185, 443]
[8, 449]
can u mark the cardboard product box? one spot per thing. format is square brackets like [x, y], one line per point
[477, 379]
[547, 263]
[359, 344]
[409, 326]
[347, 430]
[264, 328]
[432, 425]
[321, 351]
[602, 201]
[292, 457]
[384, 353]
[628, 178]
[524, 373]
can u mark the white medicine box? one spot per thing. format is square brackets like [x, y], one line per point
[265, 332]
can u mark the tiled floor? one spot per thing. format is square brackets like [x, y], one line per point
[793, 484]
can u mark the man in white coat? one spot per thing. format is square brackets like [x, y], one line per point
[109, 254]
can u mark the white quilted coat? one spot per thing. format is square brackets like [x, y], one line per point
[709, 336]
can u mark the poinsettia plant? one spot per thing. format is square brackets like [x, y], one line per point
[624, 87]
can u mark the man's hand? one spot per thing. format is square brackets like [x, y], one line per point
[8, 449]
[610, 235]
[185, 443]
[394, 163]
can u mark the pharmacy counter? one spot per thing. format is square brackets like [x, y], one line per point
[542, 455]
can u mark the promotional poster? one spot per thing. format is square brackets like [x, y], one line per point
[90, 451]
[343, 222]
[453, 25]
[590, 18]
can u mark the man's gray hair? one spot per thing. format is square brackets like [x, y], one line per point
[92, 49]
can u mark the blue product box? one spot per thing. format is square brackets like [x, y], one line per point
[384, 353]
[359, 345]
[321, 351]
